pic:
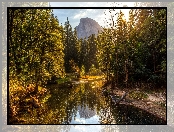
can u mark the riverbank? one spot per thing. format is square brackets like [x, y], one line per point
[152, 102]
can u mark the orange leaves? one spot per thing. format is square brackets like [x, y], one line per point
[30, 88]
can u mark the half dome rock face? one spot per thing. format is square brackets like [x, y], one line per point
[87, 27]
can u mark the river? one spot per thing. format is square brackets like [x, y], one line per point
[84, 103]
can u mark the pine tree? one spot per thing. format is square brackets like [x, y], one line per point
[35, 46]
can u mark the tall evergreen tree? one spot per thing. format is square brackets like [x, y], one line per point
[35, 46]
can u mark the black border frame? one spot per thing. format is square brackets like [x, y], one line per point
[76, 8]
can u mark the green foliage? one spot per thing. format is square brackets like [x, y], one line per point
[93, 71]
[134, 50]
[72, 47]
[82, 71]
[138, 95]
[35, 46]
[63, 80]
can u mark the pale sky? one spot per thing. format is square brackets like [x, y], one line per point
[98, 15]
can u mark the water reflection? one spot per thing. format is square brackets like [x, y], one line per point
[84, 103]
[85, 116]
[79, 104]
[127, 114]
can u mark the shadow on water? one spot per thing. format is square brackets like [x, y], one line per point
[128, 114]
[84, 104]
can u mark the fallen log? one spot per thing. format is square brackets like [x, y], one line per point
[117, 101]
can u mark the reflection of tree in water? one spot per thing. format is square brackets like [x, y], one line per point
[86, 100]
[65, 102]
[126, 114]
[86, 112]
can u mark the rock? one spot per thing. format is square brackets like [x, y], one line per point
[87, 27]
[149, 103]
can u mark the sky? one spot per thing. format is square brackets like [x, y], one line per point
[98, 15]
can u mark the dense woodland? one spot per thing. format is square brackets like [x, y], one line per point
[127, 52]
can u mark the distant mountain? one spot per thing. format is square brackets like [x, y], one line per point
[87, 27]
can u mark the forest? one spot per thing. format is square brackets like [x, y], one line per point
[41, 51]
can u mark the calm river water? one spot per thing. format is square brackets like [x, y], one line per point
[84, 103]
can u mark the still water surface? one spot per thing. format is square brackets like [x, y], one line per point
[84, 103]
